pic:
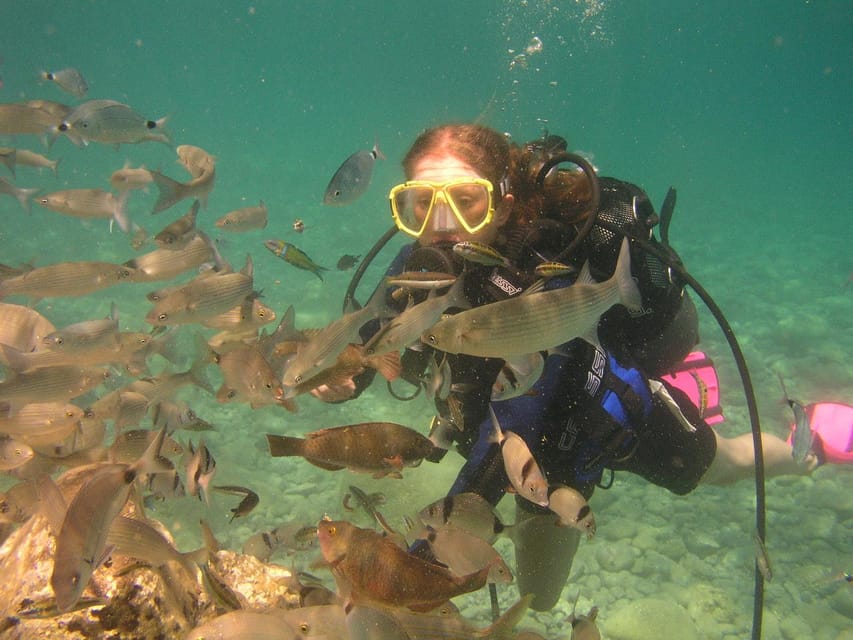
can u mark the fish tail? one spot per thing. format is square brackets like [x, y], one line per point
[160, 125]
[377, 152]
[9, 160]
[496, 435]
[503, 627]
[120, 212]
[629, 294]
[284, 446]
[388, 365]
[198, 372]
[25, 197]
[171, 192]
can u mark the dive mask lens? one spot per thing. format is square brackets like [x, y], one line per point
[410, 207]
[469, 199]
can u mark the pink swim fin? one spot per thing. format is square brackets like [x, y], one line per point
[697, 377]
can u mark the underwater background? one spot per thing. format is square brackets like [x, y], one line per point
[744, 107]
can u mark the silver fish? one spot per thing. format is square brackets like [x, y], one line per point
[111, 122]
[323, 348]
[81, 335]
[57, 384]
[88, 203]
[517, 376]
[244, 219]
[352, 178]
[8, 157]
[248, 377]
[82, 541]
[536, 321]
[463, 553]
[522, 470]
[201, 166]
[204, 297]
[140, 539]
[572, 510]
[66, 279]
[243, 624]
[33, 159]
[41, 423]
[405, 328]
[166, 263]
[803, 435]
[14, 453]
[22, 195]
[69, 80]
[762, 558]
[467, 511]
[200, 469]
[128, 178]
[22, 327]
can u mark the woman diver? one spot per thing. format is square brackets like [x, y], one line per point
[592, 408]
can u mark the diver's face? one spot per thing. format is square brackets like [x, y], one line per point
[443, 227]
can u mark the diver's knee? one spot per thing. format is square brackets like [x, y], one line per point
[543, 553]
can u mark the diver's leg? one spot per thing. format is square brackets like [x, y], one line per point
[735, 459]
[543, 555]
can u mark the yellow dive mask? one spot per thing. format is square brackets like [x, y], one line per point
[470, 199]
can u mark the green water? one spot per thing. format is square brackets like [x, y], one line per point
[743, 106]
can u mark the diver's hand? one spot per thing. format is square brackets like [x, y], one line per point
[335, 392]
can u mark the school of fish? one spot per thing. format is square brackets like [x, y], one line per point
[94, 428]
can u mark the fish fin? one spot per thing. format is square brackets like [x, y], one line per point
[585, 276]
[377, 152]
[289, 404]
[395, 461]
[120, 213]
[496, 435]
[282, 446]
[171, 192]
[629, 294]
[388, 365]
[502, 628]
[323, 464]
[536, 287]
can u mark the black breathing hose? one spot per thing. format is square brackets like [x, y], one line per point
[589, 172]
[760, 499]
[349, 296]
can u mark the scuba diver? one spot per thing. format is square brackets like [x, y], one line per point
[592, 410]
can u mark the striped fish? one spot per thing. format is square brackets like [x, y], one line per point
[536, 321]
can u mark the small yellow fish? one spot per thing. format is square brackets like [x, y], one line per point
[480, 253]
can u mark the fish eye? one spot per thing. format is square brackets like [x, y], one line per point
[58, 340]
[262, 314]
[231, 394]
[298, 379]
[43, 200]
[151, 124]
[63, 126]
[304, 627]
[432, 339]
[268, 385]
[84, 124]
[162, 316]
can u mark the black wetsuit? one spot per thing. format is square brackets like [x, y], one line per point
[576, 429]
